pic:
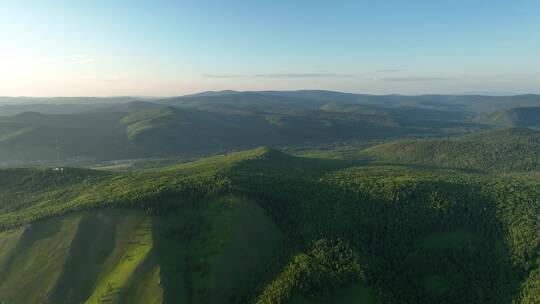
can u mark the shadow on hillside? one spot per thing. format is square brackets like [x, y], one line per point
[171, 234]
[93, 243]
[31, 234]
[385, 217]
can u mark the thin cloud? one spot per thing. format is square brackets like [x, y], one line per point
[413, 79]
[284, 75]
[84, 59]
[221, 75]
[303, 75]
[387, 71]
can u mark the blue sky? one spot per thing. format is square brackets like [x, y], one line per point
[103, 48]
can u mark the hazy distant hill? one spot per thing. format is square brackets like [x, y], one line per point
[311, 98]
[143, 129]
[407, 109]
[209, 122]
[245, 99]
[13, 109]
[58, 105]
[69, 100]
[403, 112]
[515, 117]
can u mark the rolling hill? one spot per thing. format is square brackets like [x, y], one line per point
[262, 226]
[515, 117]
[514, 149]
[77, 130]
[448, 213]
[468, 104]
[206, 124]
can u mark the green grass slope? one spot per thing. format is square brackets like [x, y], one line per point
[206, 255]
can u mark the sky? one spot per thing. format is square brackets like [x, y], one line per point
[168, 48]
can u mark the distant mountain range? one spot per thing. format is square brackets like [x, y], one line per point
[47, 129]
[382, 199]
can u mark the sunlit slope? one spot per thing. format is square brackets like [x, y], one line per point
[32, 194]
[263, 226]
[501, 150]
[208, 254]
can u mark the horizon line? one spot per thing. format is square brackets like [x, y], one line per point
[488, 94]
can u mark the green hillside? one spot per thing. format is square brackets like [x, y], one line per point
[500, 151]
[75, 131]
[156, 130]
[403, 112]
[212, 252]
[515, 117]
[262, 226]
[409, 221]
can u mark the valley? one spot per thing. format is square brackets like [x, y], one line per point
[358, 203]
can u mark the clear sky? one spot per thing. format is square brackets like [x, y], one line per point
[143, 47]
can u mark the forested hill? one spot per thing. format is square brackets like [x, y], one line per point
[262, 226]
[75, 130]
[152, 130]
[504, 150]
[515, 117]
